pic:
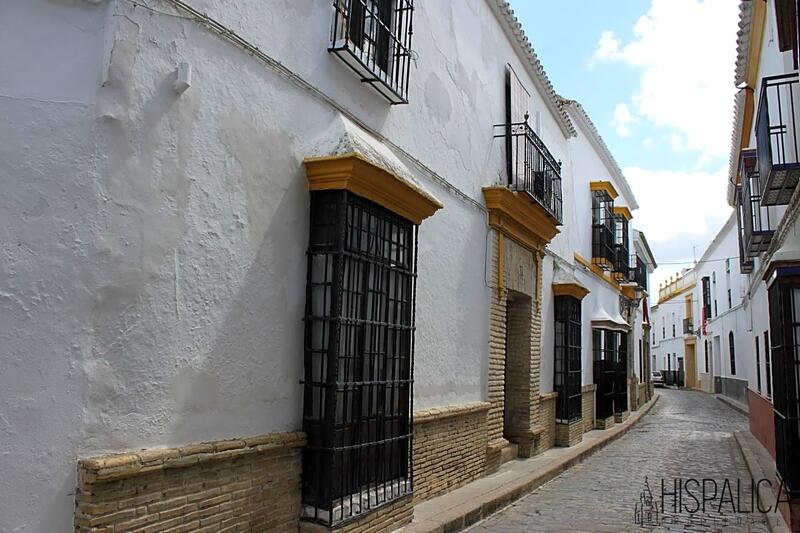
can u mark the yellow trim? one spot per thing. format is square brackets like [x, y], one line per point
[599, 272]
[677, 293]
[757, 20]
[604, 186]
[624, 211]
[628, 291]
[359, 176]
[570, 289]
[519, 218]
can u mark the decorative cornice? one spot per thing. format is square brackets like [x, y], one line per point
[570, 289]
[512, 26]
[519, 218]
[606, 186]
[582, 118]
[624, 211]
[363, 178]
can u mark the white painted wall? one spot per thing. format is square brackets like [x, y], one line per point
[153, 273]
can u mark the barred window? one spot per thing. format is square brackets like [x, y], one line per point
[373, 38]
[567, 378]
[784, 325]
[359, 347]
[603, 230]
[603, 344]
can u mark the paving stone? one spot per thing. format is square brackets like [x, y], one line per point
[688, 434]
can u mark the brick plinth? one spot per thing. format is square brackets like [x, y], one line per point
[449, 448]
[619, 418]
[605, 423]
[587, 400]
[251, 484]
[569, 434]
[383, 519]
[547, 439]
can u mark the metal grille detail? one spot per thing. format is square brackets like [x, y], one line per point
[373, 38]
[784, 317]
[359, 347]
[567, 377]
[603, 230]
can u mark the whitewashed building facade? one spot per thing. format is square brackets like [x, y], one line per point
[243, 248]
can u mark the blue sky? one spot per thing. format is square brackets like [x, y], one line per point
[656, 76]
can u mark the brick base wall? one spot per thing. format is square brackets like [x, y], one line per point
[251, 484]
[605, 423]
[569, 434]
[547, 439]
[449, 448]
[387, 518]
[587, 407]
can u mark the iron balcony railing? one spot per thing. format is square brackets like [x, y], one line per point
[621, 253]
[373, 38]
[757, 227]
[688, 326]
[776, 138]
[532, 169]
[638, 272]
[603, 229]
[746, 263]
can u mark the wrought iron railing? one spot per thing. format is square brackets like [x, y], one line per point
[688, 326]
[621, 253]
[638, 272]
[757, 226]
[373, 38]
[603, 251]
[746, 263]
[532, 169]
[776, 138]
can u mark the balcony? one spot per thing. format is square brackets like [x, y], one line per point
[373, 38]
[532, 169]
[621, 252]
[604, 253]
[746, 263]
[776, 138]
[756, 224]
[638, 272]
[688, 326]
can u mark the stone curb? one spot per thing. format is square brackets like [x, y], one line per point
[476, 508]
[732, 404]
[775, 521]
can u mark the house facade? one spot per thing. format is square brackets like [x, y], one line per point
[298, 268]
[745, 286]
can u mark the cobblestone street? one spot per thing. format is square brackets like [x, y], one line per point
[687, 435]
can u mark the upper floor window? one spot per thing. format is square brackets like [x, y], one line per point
[732, 353]
[373, 37]
[706, 283]
[604, 228]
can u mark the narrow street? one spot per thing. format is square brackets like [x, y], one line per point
[687, 435]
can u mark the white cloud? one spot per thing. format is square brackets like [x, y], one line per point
[676, 141]
[674, 205]
[622, 120]
[648, 143]
[607, 48]
[686, 52]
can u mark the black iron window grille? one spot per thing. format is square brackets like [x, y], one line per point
[688, 325]
[567, 378]
[610, 371]
[359, 353]
[784, 323]
[373, 38]
[706, 284]
[532, 169]
[758, 366]
[756, 224]
[621, 253]
[621, 374]
[776, 138]
[746, 263]
[767, 364]
[638, 272]
[603, 230]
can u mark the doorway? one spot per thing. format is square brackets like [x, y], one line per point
[516, 393]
